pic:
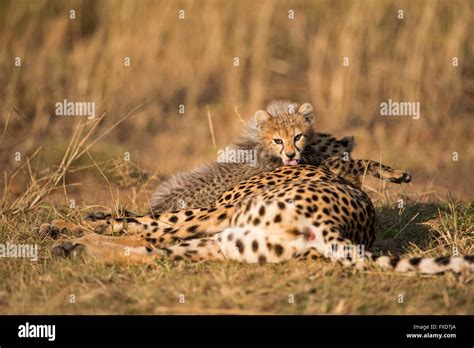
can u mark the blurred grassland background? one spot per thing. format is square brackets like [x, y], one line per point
[191, 62]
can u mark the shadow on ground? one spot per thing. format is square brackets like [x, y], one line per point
[396, 228]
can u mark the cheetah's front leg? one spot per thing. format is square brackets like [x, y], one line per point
[196, 250]
[353, 170]
[110, 249]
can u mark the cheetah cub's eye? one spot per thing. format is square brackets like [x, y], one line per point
[298, 137]
[278, 141]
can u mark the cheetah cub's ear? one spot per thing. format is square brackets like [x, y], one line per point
[306, 110]
[261, 117]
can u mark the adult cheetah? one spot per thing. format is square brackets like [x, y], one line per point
[291, 212]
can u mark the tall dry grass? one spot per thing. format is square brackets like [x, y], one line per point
[191, 62]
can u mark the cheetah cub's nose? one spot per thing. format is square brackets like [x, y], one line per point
[308, 233]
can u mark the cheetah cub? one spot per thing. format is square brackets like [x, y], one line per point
[283, 135]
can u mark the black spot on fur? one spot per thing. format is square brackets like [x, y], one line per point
[278, 249]
[443, 260]
[394, 261]
[131, 220]
[277, 218]
[345, 210]
[254, 245]
[415, 261]
[192, 228]
[240, 246]
[173, 219]
[469, 258]
[262, 259]
[151, 240]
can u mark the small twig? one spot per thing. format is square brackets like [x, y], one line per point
[22, 117]
[211, 127]
[236, 110]
[413, 218]
[5, 127]
[105, 177]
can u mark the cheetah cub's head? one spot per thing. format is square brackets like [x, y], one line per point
[284, 129]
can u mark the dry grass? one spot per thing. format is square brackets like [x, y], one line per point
[318, 287]
[191, 62]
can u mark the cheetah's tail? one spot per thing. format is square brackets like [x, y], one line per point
[425, 265]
